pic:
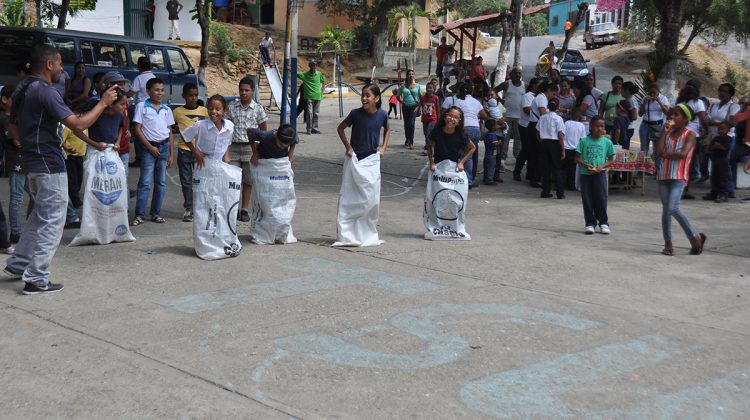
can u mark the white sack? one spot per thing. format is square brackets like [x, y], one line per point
[445, 203]
[104, 217]
[216, 198]
[359, 202]
[273, 202]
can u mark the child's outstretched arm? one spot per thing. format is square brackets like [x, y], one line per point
[291, 153]
[341, 129]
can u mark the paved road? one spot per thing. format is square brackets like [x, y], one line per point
[529, 319]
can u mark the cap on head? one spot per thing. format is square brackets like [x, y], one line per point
[313, 62]
[112, 77]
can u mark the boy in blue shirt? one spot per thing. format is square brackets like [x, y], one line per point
[594, 155]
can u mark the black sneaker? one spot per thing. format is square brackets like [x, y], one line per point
[11, 274]
[721, 198]
[315, 131]
[32, 289]
[14, 238]
[244, 216]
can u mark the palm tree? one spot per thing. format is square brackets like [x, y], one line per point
[338, 39]
[408, 16]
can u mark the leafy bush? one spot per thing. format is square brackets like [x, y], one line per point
[225, 46]
[536, 24]
[707, 70]
[739, 80]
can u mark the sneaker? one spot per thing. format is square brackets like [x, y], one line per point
[178, 38]
[545, 195]
[709, 197]
[315, 131]
[73, 223]
[169, 38]
[732, 195]
[489, 182]
[721, 198]
[11, 274]
[32, 289]
[9, 250]
[308, 132]
[14, 238]
[589, 230]
[244, 215]
[187, 216]
[746, 199]
[604, 229]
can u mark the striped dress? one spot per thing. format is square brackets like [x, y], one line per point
[676, 168]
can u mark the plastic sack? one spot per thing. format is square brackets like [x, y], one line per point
[273, 202]
[445, 203]
[216, 199]
[359, 202]
[104, 217]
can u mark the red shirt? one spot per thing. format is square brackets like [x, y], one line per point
[743, 117]
[440, 52]
[124, 140]
[429, 108]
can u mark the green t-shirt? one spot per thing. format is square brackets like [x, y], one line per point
[312, 84]
[594, 151]
[610, 107]
[410, 96]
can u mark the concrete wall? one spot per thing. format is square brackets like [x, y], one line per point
[559, 14]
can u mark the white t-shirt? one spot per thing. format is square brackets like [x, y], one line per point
[550, 124]
[574, 132]
[514, 99]
[266, 42]
[539, 102]
[156, 124]
[718, 113]
[526, 101]
[597, 93]
[698, 106]
[470, 107]
[634, 105]
[139, 86]
[653, 110]
[209, 139]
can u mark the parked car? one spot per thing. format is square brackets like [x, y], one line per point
[601, 34]
[573, 67]
[484, 34]
[101, 53]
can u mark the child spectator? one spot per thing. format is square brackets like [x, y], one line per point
[495, 108]
[594, 155]
[185, 116]
[393, 104]
[574, 132]
[718, 150]
[173, 10]
[75, 152]
[273, 144]
[622, 121]
[209, 138]
[429, 105]
[491, 143]
[16, 176]
[245, 113]
[551, 134]
[153, 121]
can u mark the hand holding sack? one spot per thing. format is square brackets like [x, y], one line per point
[445, 203]
[359, 202]
[273, 202]
[216, 198]
[104, 217]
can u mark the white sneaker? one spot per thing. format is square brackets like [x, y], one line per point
[589, 230]
[604, 229]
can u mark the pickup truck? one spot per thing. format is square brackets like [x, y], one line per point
[601, 34]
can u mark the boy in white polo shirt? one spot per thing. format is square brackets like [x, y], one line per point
[153, 121]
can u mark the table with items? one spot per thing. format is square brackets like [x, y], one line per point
[630, 161]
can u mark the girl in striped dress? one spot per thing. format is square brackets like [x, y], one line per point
[675, 148]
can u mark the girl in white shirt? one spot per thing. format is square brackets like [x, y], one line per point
[212, 136]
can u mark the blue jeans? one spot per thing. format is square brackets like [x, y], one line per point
[670, 192]
[426, 129]
[594, 199]
[154, 170]
[44, 228]
[474, 135]
[649, 134]
[18, 184]
[410, 119]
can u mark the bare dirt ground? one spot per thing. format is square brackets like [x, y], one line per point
[630, 60]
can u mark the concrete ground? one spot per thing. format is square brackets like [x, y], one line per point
[529, 319]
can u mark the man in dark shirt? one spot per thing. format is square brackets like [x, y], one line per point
[173, 8]
[36, 111]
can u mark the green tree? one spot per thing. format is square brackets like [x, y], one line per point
[338, 39]
[407, 15]
[202, 13]
[14, 14]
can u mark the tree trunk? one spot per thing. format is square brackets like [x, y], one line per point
[413, 38]
[517, 9]
[503, 55]
[580, 16]
[694, 32]
[203, 22]
[64, 7]
[670, 18]
[380, 38]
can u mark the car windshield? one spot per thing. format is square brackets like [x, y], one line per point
[607, 26]
[574, 57]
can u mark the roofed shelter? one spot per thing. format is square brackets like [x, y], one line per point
[468, 27]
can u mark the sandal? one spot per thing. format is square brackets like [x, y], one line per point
[699, 249]
[158, 219]
[137, 221]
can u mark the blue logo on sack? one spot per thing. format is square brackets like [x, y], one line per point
[121, 230]
[105, 186]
